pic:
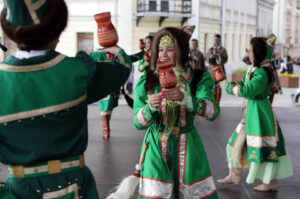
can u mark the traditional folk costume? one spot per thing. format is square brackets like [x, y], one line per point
[257, 142]
[107, 104]
[44, 98]
[175, 164]
[197, 56]
[142, 66]
[220, 60]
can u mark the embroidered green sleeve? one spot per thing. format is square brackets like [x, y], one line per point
[105, 77]
[136, 57]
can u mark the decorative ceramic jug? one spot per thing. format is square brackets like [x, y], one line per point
[142, 45]
[107, 34]
[147, 57]
[167, 77]
[219, 75]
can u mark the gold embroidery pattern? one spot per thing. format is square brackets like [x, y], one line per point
[253, 155]
[146, 115]
[41, 111]
[200, 107]
[273, 156]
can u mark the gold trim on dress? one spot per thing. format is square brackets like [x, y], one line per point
[31, 9]
[63, 192]
[54, 166]
[122, 61]
[41, 111]
[30, 68]
[18, 171]
[38, 4]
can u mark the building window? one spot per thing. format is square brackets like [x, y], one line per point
[186, 6]
[152, 6]
[174, 6]
[85, 42]
[164, 6]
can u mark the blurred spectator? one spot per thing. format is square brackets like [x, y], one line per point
[290, 67]
[197, 55]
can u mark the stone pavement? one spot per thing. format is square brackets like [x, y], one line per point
[112, 160]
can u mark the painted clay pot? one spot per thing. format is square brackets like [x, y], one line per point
[107, 34]
[142, 45]
[219, 75]
[167, 77]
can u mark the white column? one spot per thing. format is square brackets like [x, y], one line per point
[195, 20]
[230, 50]
[237, 51]
[116, 11]
[223, 21]
[245, 27]
[125, 25]
[293, 21]
[282, 19]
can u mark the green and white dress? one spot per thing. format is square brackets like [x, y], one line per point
[142, 66]
[266, 153]
[175, 166]
[43, 121]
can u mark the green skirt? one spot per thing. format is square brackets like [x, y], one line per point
[108, 103]
[176, 168]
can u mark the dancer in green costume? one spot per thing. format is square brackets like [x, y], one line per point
[175, 164]
[107, 104]
[44, 99]
[257, 141]
[143, 65]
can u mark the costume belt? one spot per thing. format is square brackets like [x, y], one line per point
[176, 130]
[260, 97]
[47, 167]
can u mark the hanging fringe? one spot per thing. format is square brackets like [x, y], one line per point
[126, 188]
[128, 185]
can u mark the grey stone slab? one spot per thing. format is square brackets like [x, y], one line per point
[112, 160]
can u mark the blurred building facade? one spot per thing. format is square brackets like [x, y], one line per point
[286, 24]
[236, 20]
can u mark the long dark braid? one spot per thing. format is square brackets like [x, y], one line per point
[197, 76]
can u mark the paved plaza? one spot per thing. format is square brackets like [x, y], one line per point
[112, 160]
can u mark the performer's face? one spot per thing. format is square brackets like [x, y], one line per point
[167, 53]
[148, 46]
[251, 56]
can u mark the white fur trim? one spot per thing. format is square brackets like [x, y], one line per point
[154, 188]
[259, 141]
